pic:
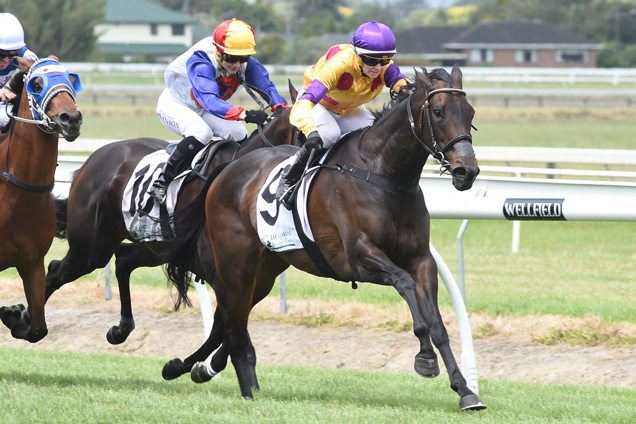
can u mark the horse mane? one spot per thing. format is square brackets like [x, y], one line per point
[16, 85]
[437, 73]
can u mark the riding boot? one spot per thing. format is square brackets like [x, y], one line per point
[289, 178]
[179, 159]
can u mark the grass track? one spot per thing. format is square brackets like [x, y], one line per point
[46, 387]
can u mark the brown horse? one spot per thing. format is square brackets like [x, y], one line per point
[367, 215]
[45, 109]
[92, 220]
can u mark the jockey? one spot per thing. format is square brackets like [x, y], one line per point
[11, 46]
[198, 84]
[335, 91]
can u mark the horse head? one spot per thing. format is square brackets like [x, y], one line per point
[445, 123]
[50, 90]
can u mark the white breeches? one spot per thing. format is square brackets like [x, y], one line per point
[4, 118]
[186, 120]
[332, 126]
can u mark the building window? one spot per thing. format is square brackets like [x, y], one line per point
[178, 29]
[525, 56]
[154, 29]
[481, 56]
[572, 56]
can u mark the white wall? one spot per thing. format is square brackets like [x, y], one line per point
[140, 33]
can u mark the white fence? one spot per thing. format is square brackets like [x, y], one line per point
[569, 76]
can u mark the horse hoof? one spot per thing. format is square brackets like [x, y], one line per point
[201, 373]
[173, 369]
[471, 403]
[12, 314]
[428, 368]
[114, 336]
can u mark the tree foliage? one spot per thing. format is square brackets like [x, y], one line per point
[63, 28]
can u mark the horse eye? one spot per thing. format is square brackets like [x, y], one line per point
[36, 86]
[437, 113]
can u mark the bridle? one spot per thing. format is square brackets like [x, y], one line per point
[38, 103]
[436, 152]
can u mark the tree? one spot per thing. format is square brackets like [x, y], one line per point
[271, 49]
[63, 28]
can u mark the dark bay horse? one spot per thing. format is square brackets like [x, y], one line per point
[367, 215]
[44, 110]
[92, 220]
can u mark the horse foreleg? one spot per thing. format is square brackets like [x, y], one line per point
[427, 285]
[34, 284]
[374, 266]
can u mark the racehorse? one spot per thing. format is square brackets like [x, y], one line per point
[44, 110]
[91, 217]
[368, 219]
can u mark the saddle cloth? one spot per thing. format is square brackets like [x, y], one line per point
[274, 223]
[142, 213]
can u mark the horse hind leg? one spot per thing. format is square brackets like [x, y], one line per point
[176, 367]
[128, 257]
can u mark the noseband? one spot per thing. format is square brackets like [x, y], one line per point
[436, 152]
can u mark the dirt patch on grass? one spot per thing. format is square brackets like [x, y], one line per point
[330, 335]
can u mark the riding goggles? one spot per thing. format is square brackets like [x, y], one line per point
[9, 53]
[233, 59]
[373, 61]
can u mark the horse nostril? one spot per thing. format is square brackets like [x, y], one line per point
[460, 172]
[80, 118]
[64, 117]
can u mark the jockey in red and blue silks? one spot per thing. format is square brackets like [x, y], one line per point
[11, 46]
[198, 84]
[336, 89]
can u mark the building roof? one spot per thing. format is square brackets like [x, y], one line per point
[508, 34]
[427, 39]
[142, 11]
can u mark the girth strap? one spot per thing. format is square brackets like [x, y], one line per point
[375, 179]
[312, 249]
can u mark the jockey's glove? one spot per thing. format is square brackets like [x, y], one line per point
[258, 117]
[314, 141]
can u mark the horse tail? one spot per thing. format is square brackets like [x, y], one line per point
[61, 209]
[189, 221]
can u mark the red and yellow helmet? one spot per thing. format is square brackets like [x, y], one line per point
[235, 38]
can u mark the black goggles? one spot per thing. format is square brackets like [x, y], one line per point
[233, 59]
[372, 61]
[9, 53]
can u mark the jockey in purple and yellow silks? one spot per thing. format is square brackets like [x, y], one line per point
[198, 84]
[335, 91]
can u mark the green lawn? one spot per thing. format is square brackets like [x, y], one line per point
[53, 387]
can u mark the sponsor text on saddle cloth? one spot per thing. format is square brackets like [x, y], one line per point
[140, 210]
[274, 223]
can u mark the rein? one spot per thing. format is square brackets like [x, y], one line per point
[436, 152]
[249, 89]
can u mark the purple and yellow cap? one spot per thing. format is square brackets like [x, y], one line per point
[374, 39]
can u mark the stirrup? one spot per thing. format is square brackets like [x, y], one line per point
[158, 191]
[286, 197]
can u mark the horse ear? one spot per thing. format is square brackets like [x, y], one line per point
[292, 91]
[456, 76]
[25, 64]
[423, 79]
